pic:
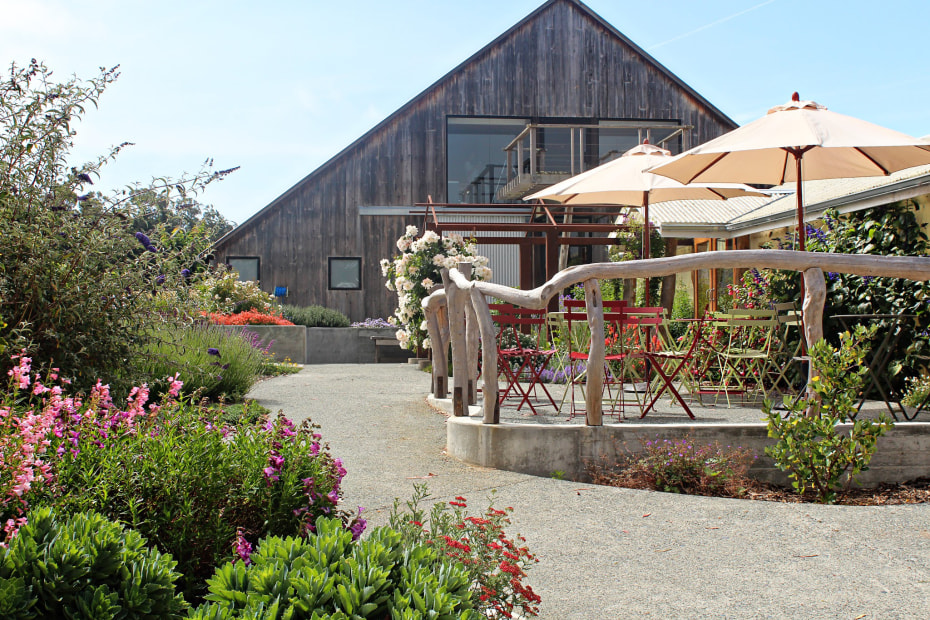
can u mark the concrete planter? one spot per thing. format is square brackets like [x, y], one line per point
[328, 345]
[287, 341]
[350, 345]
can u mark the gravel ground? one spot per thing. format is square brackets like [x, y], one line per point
[620, 553]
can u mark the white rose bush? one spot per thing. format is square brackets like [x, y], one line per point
[418, 267]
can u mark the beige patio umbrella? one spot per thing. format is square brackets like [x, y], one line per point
[770, 151]
[624, 181]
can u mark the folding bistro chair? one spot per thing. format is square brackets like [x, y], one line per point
[579, 342]
[522, 360]
[673, 363]
[635, 334]
[749, 347]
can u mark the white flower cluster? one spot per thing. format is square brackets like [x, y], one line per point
[417, 269]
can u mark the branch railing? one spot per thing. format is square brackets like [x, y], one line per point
[466, 308]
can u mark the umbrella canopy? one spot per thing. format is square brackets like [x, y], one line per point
[771, 149]
[624, 181]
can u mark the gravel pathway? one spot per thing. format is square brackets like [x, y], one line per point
[621, 553]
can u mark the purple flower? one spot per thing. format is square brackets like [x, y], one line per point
[214, 352]
[160, 280]
[185, 273]
[84, 177]
[243, 547]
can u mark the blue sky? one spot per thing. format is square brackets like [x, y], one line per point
[281, 86]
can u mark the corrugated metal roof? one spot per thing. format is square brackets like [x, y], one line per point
[818, 192]
[739, 216]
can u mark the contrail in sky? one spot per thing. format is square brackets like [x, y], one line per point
[711, 25]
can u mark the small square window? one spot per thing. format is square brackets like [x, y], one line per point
[345, 273]
[246, 266]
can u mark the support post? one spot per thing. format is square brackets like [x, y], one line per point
[434, 309]
[489, 387]
[595, 374]
[455, 299]
[815, 296]
[471, 341]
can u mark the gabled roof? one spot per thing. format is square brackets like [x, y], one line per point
[474, 58]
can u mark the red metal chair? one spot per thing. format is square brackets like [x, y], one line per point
[576, 319]
[671, 364]
[522, 356]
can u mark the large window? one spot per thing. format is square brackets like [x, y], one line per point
[476, 159]
[546, 152]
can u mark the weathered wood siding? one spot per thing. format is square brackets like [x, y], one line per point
[560, 62]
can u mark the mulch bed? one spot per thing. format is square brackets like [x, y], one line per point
[914, 492]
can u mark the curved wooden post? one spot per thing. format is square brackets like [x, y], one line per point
[489, 387]
[595, 374]
[433, 309]
[471, 340]
[455, 301]
[815, 296]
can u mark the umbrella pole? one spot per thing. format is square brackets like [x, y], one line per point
[647, 251]
[802, 233]
[797, 170]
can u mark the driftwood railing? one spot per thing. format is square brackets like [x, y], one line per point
[459, 314]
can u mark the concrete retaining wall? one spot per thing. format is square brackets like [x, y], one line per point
[327, 345]
[903, 454]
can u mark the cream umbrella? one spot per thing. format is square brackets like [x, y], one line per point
[625, 181]
[770, 151]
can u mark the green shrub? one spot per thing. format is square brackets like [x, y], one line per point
[85, 566]
[809, 447]
[78, 281]
[213, 361]
[330, 576]
[314, 316]
[891, 230]
[183, 480]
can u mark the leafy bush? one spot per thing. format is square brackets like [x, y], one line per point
[681, 466]
[891, 230]
[330, 576]
[496, 564]
[222, 292]
[216, 363]
[77, 281]
[85, 566]
[175, 474]
[314, 316]
[810, 448]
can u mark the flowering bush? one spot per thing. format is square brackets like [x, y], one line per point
[372, 323]
[249, 317]
[681, 466]
[24, 442]
[755, 291]
[495, 563]
[78, 284]
[213, 362]
[417, 269]
[223, 293]
[171, 471]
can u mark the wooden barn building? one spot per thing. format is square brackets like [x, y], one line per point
[560, 92]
